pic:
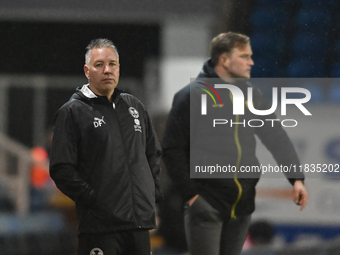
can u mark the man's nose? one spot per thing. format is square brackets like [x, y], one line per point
[107, 69]
[251, 62]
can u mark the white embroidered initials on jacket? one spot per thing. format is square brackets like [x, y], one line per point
[98, 122]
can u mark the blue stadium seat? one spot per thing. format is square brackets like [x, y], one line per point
[267, 44]
[317, 4]
[267, 41]
[268, 19]
[316, 20]
[265, 67]
[308, 46]
[336, 70]
[39, 233]
[300, 68]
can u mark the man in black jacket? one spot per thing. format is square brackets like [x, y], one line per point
[218, 210]
[106, 157]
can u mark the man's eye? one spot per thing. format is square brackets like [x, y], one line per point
[112, 64]
[98, 65]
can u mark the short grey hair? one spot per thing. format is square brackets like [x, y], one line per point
[99, 43]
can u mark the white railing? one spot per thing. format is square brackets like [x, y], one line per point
[15, 167]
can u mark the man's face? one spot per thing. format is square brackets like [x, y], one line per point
[103, 71]
[239, 62]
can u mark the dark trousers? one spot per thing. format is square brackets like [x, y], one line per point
[207, 233]
[132, 242]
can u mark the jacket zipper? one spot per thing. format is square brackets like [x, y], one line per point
[132, 194]
[238, 162]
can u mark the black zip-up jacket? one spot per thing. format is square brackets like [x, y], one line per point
[235, 195]
[106, 157]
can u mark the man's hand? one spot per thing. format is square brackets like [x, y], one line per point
[300, 194]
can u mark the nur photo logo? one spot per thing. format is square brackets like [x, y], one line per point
[240, 102]
[204, 97]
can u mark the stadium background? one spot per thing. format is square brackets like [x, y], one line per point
[162, 44]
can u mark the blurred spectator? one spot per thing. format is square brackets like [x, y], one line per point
[42, 186]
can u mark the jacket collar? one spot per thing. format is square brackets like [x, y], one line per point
[87, 92]
[208, 70]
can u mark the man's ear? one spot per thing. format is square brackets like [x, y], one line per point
[224, 60]
[86, 71]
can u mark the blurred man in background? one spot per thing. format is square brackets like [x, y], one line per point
[106, 157]
[218, 211]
